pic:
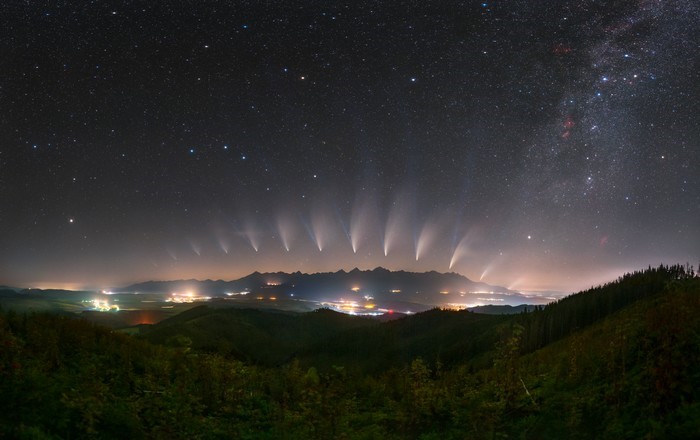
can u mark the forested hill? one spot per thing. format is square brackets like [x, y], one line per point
[325, 338]
[579, 310]
[617, 361]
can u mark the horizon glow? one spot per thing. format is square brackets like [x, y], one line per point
[418, 138]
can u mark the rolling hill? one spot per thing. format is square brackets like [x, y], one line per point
[616, 361]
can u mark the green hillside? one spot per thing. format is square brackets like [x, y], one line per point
[632, 374]
[618, 361]
[265, 337]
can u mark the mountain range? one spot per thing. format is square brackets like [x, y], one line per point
[427, 288]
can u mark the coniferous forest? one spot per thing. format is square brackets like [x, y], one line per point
[616, 361]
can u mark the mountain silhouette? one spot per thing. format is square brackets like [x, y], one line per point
[427, 288]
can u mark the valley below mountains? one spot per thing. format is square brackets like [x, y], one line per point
[615, 361]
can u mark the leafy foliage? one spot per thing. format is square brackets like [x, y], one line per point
[618, 361]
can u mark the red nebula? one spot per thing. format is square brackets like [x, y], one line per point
[561, 49]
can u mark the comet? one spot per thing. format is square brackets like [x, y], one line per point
[285, 229]
[223, 244]
[253, 238]
[343, 225]
[359, 223]
[460, 251]
[392, 230]
[196, 247]
[425, 239]
[465, 246]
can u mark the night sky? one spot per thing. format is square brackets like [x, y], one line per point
[547, 144]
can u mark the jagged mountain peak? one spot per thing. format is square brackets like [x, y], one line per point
[428, 288]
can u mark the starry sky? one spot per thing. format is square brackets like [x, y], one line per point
[537, 145]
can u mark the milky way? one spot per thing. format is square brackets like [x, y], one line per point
[535, 145]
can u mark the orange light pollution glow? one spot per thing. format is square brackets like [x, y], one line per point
[514, 270]
[448, 153]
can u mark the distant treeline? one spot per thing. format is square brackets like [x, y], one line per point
[560, 318]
